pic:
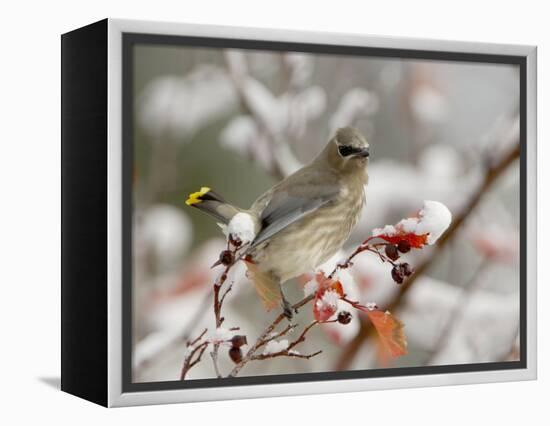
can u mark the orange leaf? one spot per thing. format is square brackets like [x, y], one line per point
[390, 331]
[416, 241]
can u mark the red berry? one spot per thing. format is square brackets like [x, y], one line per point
[391, 251]
[235, 354]
[344, 317]
[404, 246]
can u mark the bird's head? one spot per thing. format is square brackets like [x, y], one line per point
[347, 151]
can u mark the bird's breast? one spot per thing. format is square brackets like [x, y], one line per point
[310, 242]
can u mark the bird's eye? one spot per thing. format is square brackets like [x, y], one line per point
[345, 150]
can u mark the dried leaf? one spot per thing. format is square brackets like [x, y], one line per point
[390, 332]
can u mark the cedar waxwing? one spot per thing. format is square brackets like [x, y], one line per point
[302, 221]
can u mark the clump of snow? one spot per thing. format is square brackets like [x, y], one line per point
[274, 346]
[386, 230]
[433, 219]
[242, 227]
[329, 300]
[311, 287]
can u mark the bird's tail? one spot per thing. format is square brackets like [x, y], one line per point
[212, 203]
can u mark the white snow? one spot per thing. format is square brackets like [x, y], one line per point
[311, 287]
[274, 346]
[328, 300]
[408, 225]
[388, 230]
[242, 227]
[433, 219]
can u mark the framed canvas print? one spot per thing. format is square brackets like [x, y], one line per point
[253, 212]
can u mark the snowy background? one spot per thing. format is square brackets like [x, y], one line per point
[238, 122]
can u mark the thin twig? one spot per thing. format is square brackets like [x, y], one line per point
[291, 354]
[193, 342]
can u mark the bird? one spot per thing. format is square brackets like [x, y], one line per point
[303, 220]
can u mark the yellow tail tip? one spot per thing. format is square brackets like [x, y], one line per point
[195, 197]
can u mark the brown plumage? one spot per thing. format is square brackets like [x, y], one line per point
[303, 220]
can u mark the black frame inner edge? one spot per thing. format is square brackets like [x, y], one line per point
[129, 40]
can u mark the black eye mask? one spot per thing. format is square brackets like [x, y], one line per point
[347, 150]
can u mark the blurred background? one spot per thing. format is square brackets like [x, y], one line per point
[239, 121]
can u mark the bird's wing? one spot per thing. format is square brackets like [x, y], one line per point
[289, 206]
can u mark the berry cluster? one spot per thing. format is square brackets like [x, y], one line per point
[399, 270]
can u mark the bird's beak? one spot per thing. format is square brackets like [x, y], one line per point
[363, 153]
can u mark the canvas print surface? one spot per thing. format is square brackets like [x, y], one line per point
[297, 213]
